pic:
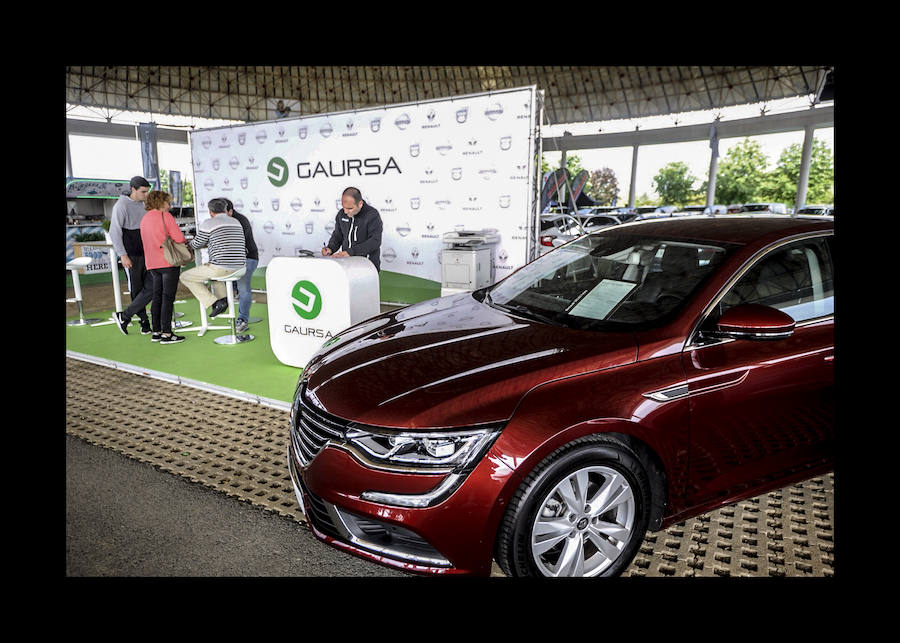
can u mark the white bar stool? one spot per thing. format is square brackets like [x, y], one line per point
[204, 320]
[234, 338]
[74, 266]
[178, 323]
[117, 290]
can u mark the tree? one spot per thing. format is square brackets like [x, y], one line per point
[573, 164]
[741, 174]
[781, 182]
[603, 186]
[675, 184]
[646, 199]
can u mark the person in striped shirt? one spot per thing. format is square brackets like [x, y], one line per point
[223, 236]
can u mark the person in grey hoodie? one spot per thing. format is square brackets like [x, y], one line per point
[125, 232]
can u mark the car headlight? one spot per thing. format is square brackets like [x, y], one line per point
[442, 452]
[452, 453]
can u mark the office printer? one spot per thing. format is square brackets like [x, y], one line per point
[467, 260]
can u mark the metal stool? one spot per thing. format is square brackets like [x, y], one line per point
[234, 338]
[74, 266]
[176, 322]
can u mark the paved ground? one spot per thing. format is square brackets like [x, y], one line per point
[157, 490]
[126, 518]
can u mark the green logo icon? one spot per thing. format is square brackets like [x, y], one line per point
[306, 299]
[277, 171]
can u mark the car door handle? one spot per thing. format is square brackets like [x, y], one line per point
[829, 358]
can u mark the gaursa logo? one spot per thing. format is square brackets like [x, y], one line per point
[346, 167]
[277, 171]
[306, 299]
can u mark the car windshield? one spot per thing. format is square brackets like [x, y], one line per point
[755, 207]
[607, 282]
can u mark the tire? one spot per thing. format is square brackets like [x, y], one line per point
[550, 528]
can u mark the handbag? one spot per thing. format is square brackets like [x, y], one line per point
[176, 254]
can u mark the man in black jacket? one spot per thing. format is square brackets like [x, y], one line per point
[357, 230]
[245, 294]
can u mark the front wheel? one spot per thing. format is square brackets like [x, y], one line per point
[583, 511]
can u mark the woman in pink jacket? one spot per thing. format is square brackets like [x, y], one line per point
[157, 222]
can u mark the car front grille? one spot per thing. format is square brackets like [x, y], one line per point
[312, 429]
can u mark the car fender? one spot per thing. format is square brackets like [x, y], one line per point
[612, 402]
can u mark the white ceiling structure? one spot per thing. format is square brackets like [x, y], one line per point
[571, 94]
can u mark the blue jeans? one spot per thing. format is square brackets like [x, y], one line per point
[245, 295]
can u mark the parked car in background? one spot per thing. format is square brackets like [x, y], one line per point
[632, 379]
[557, 229]
[593, 222]
[715, 209]
[818, 210]
[764, 208]
[691, 210]
[599, 209]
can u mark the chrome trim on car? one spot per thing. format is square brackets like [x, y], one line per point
[668, 394]
[417, 501]
[346, 532]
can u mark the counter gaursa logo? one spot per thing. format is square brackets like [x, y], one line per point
[306, 299]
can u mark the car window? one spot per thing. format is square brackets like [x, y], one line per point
[797, 279]
[604, 282]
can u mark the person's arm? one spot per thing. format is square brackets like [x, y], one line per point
[173, 229]
[115, 234]
[334, 243]
[201, 238]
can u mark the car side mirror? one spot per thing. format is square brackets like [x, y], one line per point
[754, 321]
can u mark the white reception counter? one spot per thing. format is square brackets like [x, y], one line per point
[312, 299]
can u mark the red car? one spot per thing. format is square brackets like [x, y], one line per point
[621, 383]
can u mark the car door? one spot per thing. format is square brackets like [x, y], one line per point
[761, 410]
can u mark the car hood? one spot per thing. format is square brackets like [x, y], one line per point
[450, 362]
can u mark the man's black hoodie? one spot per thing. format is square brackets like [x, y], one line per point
[360, 235]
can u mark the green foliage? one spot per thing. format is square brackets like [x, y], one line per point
[89, 236]
[573, 164]
[646, 199]
[674, 184]
[187, 189]
[741, 174]
[781, 182]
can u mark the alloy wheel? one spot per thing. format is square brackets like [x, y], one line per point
[584, 523]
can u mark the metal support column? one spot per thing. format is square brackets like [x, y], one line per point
[805, 160]
[713, 164]
[631, 188]
[69, 171]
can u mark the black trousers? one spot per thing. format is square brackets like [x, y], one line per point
[140, 287]
[165, 283]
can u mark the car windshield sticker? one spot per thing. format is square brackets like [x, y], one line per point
[605, 296]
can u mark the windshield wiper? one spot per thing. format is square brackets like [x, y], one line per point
[525, 311]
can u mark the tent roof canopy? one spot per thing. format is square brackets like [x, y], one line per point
[572, 94]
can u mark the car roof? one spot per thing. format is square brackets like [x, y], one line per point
[726, 229]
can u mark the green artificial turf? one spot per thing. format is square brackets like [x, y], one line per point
[249, 368]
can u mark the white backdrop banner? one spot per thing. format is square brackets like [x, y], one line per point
[467, 162]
